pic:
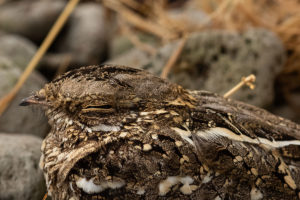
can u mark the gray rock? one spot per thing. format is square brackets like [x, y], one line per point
[20, 176]
[18, 49]
[120, 44]
[221, 58]
[189, 17]
[216, 60]
[32, 19]
[133, 58]
[85, 38]
[16, 118]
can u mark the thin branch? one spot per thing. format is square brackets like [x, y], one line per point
[249, 80]
[172, 60]
[5, 101]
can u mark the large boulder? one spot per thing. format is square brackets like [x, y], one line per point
[32, 19]
[84, 39]
[20, 176]
[216, 60]
[17, 49]
[15, 118]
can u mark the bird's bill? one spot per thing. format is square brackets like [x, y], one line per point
[33, 100]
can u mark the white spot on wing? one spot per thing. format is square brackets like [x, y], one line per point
[141, 191]
[184, 135]
[71, 187]
[166, 185]
[279, 144]
[147, 147]
[217, 132]
[154, 136]
[256, 194]
[218, 198]
[207, 178]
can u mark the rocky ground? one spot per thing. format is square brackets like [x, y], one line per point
[213, 60]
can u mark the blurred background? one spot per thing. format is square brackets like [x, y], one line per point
[199, 44]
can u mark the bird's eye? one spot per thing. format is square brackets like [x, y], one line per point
[98, 108]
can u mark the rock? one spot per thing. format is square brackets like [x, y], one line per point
[20, 176]
[16, 118]
[120, 44]
[85, 38]
[18, 49]
[133, 58]
[216, 60]
[189, 17]
[32, 19]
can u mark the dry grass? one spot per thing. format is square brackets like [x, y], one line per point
[248, 81]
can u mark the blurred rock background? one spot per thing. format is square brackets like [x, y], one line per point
[218, 42]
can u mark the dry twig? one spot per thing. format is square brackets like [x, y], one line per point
[249, 80]
[173, 58]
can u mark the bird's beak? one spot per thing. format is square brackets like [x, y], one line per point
[33, 100]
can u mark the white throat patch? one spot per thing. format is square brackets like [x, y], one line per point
[88, 186]
[105, 128]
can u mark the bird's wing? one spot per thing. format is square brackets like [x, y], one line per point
[231, 135]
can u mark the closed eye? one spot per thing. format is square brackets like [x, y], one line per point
[101, 107]
[98, 108]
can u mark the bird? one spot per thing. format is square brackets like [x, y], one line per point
[122, 133]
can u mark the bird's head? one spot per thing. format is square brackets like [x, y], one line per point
[105, 94]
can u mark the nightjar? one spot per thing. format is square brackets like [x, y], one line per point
[122, 133]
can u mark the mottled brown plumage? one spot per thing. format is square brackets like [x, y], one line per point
[122, 133]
